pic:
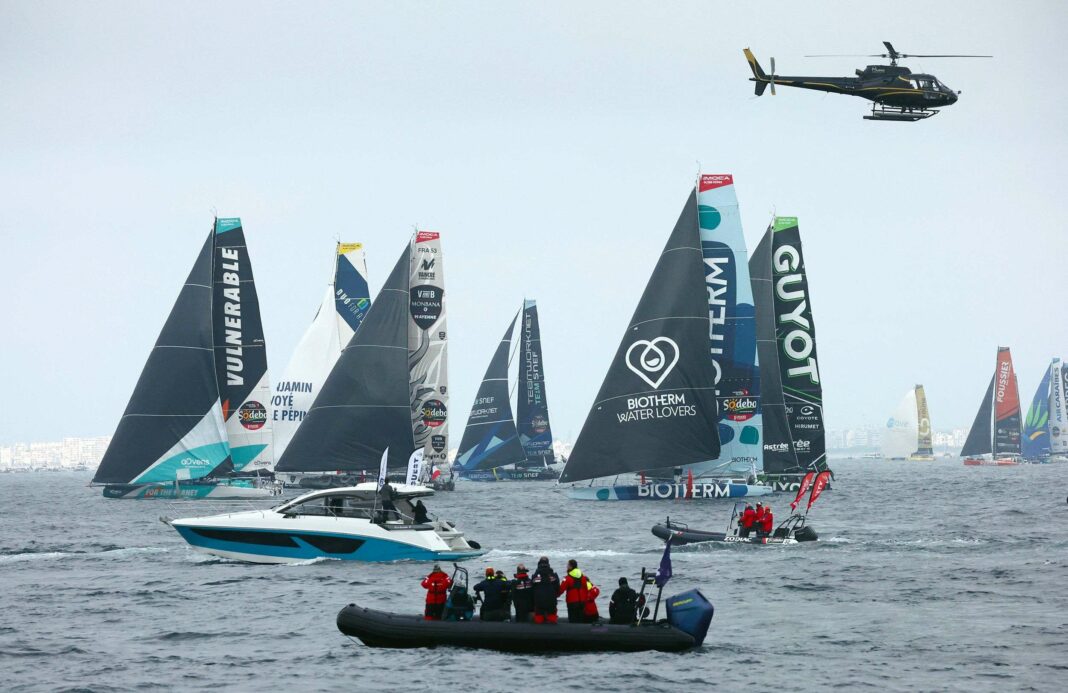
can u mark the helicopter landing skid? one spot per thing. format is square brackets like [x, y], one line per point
[909, 115]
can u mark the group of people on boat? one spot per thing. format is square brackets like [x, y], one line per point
[533, 596]
[759, 519]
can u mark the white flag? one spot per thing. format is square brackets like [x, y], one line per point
[382, 468]
[415, 467]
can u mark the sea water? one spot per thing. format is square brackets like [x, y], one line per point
[927, 576]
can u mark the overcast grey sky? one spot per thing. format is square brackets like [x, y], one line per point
[553, 144]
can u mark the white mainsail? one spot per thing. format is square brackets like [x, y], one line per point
[345, 302]
[1058, 409]
[427, 349]
[902, 429]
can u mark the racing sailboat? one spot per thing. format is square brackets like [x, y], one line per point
[493, 447]
[908, 431]
[791, 396]
[362, 422]
[345, 303]
[996, 429]
[196, 425]
[657, 407]
[1045, 438]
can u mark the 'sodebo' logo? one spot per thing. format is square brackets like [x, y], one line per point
[655, 361]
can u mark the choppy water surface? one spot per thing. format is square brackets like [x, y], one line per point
[927, 576]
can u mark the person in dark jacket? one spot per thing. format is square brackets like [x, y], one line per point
[522, 594]
[421, 516]
[387, 511]
[745, 522]
[546, 587]
[437, 586]
[494, 594]
[577, 587]
[623, 607]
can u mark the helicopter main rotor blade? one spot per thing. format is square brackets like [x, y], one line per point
[849, 55]
[921, 55]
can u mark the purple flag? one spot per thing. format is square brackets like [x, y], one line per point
[663, 573]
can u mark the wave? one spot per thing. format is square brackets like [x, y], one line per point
[112, 553]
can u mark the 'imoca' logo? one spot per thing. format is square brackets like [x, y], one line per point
[655, 361]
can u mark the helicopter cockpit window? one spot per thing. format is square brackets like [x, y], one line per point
[924, 83]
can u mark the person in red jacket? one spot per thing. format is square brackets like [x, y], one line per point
[745, 522]
[437, 586]
[759, 516]
[590, 608]
[577, 587]
[767, 522]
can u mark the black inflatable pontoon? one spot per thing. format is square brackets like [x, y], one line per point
[789, 532]
[689, 615]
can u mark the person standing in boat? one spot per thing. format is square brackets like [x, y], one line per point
[590, 608]
[494, 594]
[437, 586]
[624, 605]
[522, 594]
[385, 502]
[577, 587]
[767, 522]
[546, 586]
[758, 520]
[745, 522]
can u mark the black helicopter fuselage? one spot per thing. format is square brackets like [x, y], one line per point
[886, 85]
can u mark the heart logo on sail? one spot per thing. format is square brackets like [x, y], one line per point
[655, 360]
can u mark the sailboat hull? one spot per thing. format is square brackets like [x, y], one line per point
[979, 462]
[238, 489]
[701, 490]
[510, 475]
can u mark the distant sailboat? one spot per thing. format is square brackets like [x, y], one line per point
[345, 302]
[197, 414]
[791, 395]
[908, 431]
[492, 447]
[1045, 438]
[996, 429]
[657, 406]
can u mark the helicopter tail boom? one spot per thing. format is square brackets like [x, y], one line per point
[759, 77]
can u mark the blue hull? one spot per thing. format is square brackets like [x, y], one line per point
[305, 546]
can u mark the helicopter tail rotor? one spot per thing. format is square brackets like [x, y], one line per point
[771, 78]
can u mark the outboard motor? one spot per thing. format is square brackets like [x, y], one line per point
[691, 613]
[806, 533]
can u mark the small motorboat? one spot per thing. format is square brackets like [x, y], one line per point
[343, 523]
[792, 530]
[688, 617]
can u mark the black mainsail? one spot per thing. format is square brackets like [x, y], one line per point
[980, 436]
[532, 404]
[173, 421]
[365, 404]
[657, 404]
[490, 439]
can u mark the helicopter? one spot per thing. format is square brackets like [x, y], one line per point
[895, 91]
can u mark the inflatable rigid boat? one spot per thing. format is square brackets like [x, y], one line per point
[791, 531]
[689, 615]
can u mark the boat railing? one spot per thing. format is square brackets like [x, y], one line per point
[180, 506]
